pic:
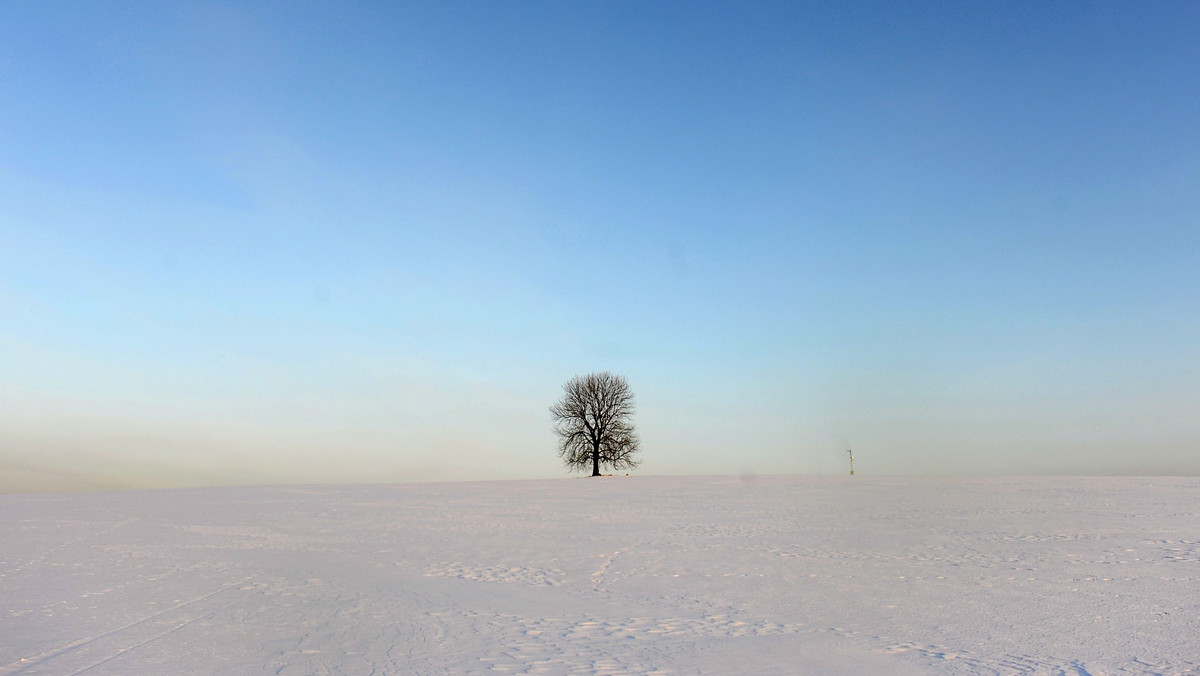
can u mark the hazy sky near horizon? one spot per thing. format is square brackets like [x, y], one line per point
[277, 242]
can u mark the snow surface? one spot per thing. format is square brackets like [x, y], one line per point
[721, 575]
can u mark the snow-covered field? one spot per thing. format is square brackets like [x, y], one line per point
[721, 575]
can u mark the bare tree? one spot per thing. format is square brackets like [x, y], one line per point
[594, 423]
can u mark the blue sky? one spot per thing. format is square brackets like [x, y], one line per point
[268, 242]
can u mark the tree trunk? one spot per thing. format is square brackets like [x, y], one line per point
[596, 461]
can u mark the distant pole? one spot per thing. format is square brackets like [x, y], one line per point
[851, 461]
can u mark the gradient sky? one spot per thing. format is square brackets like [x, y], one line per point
[277, 242]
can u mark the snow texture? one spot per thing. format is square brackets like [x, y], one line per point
[646, 575]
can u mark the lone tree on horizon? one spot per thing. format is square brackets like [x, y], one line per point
[594, 423]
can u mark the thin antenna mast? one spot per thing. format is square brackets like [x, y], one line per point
[851, 461]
